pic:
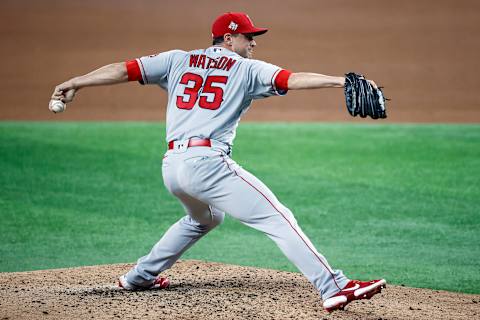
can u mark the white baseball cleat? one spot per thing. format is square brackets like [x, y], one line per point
[159, 283]
[354, 290]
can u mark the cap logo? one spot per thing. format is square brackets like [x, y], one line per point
[233, 26]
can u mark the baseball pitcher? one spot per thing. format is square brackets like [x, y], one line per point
[208, 92]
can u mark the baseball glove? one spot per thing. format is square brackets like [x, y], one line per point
[362, 98]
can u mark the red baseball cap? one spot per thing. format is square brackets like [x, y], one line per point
[235, 22]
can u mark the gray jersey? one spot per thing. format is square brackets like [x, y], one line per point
[208, 90]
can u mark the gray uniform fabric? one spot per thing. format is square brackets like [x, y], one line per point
[208, 182]
[248, 79]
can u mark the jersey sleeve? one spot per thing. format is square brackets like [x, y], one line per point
[265, 80]
[152, 69]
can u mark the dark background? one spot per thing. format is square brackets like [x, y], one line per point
[425, 53]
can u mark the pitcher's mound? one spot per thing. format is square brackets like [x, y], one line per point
[201, 290]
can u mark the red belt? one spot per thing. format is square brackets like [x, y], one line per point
[193, 143]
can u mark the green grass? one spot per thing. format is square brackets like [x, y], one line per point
[394, 201]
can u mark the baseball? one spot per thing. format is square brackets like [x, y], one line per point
[56, 106]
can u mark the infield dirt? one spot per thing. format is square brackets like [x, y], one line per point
[203, 290]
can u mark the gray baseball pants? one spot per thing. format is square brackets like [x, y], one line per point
[208, 183]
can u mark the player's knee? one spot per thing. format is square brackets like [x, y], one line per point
[211, 221]
[217, 218]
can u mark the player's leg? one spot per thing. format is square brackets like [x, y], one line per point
[243, 196]
[178, 238]
[200, 219]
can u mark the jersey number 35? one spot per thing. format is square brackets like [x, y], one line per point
[190, 94]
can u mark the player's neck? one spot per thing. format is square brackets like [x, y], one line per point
[225, 46]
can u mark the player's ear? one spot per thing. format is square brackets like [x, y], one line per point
[227, 38]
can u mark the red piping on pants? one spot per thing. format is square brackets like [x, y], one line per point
[250, 184]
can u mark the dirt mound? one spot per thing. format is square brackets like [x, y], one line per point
[203, 290]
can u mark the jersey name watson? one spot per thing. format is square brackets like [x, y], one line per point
[205, 62]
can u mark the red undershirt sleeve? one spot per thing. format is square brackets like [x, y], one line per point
[281, 81]
[133, 70]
